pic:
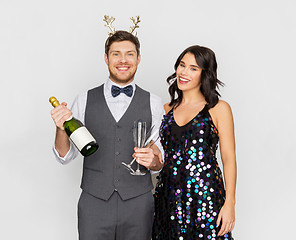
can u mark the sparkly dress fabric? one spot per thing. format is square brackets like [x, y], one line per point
[190, 190]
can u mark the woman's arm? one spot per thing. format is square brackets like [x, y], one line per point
[223, 119]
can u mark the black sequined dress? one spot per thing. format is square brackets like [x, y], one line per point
[190, 190]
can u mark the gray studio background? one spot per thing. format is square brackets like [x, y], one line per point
[56, 48]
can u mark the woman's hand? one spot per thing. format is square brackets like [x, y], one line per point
[227, 217]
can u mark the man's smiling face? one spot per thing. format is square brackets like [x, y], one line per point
[122, 61]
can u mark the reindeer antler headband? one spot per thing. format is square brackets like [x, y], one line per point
[110, 20]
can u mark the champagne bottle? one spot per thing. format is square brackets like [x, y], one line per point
[78, 133]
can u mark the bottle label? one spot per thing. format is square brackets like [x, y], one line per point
[81, 137]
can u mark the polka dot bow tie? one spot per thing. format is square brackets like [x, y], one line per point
[128, 90]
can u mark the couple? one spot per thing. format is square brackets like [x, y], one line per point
[190, 200]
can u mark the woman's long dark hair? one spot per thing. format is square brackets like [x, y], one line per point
[206, 60]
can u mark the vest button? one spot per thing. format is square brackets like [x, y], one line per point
[118, 139]
[117, 153]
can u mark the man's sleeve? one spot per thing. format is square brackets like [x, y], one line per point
[78, 111]
[157, 111]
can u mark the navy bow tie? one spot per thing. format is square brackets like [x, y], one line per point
[128, 90]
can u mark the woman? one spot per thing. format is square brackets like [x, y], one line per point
[190, 199]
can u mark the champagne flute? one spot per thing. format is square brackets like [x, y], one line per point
[139, 132]
[149, 137]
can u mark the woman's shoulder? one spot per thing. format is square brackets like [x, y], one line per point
[221, 106]
[221, 112]
[167, 107]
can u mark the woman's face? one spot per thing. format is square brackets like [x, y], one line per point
[188, 73]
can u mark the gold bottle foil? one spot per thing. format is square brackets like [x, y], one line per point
[54, 102]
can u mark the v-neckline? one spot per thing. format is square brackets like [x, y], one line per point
[188, 121]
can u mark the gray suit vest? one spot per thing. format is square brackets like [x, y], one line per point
[103, 172]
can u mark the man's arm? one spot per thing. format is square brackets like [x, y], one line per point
[59, 115]
[63, 149]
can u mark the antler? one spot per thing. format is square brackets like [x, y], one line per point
[135, 24]
[109, 21]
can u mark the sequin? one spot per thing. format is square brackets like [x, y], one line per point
[190, 190]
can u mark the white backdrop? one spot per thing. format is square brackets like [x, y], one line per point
[56, 48]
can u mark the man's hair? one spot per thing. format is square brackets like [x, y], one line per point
[120, 36]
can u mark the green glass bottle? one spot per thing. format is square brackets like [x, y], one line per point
[78, 133]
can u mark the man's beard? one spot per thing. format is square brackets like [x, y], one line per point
[121, 81]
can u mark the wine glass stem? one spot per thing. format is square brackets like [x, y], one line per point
[131, 163]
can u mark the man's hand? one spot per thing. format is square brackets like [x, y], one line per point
[60, 114]
[149, 157]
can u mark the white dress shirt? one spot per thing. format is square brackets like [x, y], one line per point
[117, 105]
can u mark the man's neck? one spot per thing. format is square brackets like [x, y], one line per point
[122, 84]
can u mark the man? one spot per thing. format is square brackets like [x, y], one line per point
[114, 204]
